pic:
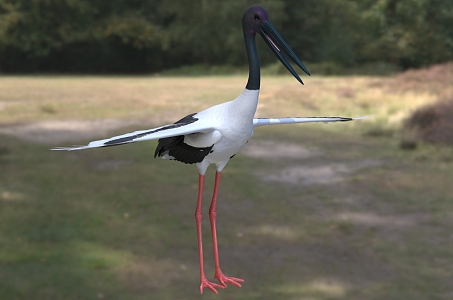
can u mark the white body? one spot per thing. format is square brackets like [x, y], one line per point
[226, 126]
[233, 123]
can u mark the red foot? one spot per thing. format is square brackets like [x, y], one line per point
[210, 285]
[226, 279]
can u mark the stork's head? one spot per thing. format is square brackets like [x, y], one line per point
[255, 20]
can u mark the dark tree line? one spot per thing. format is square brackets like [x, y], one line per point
[131, 36]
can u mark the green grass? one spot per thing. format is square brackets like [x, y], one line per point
[114, 223]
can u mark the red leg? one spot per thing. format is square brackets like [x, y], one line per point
[204, 283]
[212, 216]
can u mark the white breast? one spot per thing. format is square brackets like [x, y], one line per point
[234, 123]
[203, 140]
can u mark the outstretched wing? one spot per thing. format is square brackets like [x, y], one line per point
[184, 126]
[274, 121]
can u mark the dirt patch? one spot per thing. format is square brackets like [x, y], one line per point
[4, 104]
[51, 132]
[318, 171]
[374, 220]
[277, 150]
[323, 174]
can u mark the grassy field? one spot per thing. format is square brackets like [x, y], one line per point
[334, 211]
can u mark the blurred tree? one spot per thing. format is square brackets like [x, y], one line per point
[146, 36]
[209, 31]
[77, 35]
[410, 33]
[324, 30]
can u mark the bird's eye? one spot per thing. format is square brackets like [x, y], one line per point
[256, 17]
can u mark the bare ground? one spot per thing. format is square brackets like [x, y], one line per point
[52, 132]
[300, 169]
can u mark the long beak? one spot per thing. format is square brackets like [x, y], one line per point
[277, 44]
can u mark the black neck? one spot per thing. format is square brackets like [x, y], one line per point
[254, 65]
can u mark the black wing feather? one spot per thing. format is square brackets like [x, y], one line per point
[180, 151]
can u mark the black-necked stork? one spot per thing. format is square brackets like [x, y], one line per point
[216, 134]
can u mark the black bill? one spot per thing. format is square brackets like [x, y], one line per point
[277, 44]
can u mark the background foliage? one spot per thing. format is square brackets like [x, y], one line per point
[147, 36]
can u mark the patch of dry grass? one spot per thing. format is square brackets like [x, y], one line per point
[433, 123]
[26, 99]
[121, 101]
[435, 80]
